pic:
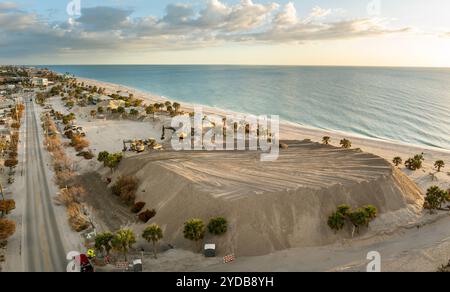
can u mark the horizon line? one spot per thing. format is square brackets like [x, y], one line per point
[248, 65]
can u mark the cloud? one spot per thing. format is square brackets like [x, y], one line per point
[103, 18]
[318, 12]
[109, 29]
[288, 30]
[178, 14]
[8, 6]
[286, 17]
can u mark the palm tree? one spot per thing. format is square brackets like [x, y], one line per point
[326, 140]
[415, 162]
[336, 221]
[345, 143]
[176, 106]
[217, 226]
[194, 229]
[103, 242]
[372, 212]
[439, 164]
[359, 217]
[167, 104]
[153, 233]
[397, 161]
[123, 240]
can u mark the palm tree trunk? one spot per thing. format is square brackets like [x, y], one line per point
[154, 249]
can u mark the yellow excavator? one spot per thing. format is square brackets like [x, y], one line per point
[135, 145]
[139, 145]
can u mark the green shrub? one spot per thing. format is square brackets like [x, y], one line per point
[125, 188]
[217, 226]
[359, 217]
[137, 207]
[102, 156]
[415, 162]
[147, 215]
[435, 198]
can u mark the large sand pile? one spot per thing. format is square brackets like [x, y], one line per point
[270, 205]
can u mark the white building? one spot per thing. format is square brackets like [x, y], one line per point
[39, 81]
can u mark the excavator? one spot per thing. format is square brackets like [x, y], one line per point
[181, 135]
[164, 128]
[139, 145]
[135, 145]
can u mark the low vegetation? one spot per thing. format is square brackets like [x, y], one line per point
[435, 199]
[103, 242]
[125, 188]
[326, 140]
[7, 228]
[137, 207]
[88, 155]
[194, 229]
[397, 161]
[11, 163]
[147, 215]
[358, 217]
[415, 163]
[444, 268]
[217, 226]
[439, 164]
[111, 160]
[78, 220]
[70, 197]
[6, 206]
[79, 143]
[345, 143]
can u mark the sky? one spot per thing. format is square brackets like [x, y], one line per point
[256, 32]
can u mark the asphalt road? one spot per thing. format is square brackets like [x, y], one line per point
[42, 248]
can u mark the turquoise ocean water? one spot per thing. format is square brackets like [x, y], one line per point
[402, 104]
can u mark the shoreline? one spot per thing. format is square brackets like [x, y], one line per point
[401, 233]
[288, 129]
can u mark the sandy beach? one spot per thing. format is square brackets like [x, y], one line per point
[217, 184]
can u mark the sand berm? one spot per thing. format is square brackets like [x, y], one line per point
[275, 205]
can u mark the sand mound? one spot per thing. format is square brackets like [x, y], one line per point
[270, 205]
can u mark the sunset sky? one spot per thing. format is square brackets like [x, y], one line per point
[259, 32]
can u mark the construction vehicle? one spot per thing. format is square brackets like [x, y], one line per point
[181, 135]
[139, 145]
[135, 145]
[164, 128]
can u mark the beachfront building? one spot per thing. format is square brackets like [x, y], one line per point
[39, 81]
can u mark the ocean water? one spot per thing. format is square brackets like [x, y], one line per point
[402, 104]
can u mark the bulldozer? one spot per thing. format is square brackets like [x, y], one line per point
[139, 145]
[135, 145]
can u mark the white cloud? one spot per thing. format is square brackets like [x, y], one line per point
[318, 12]
[286, 17]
